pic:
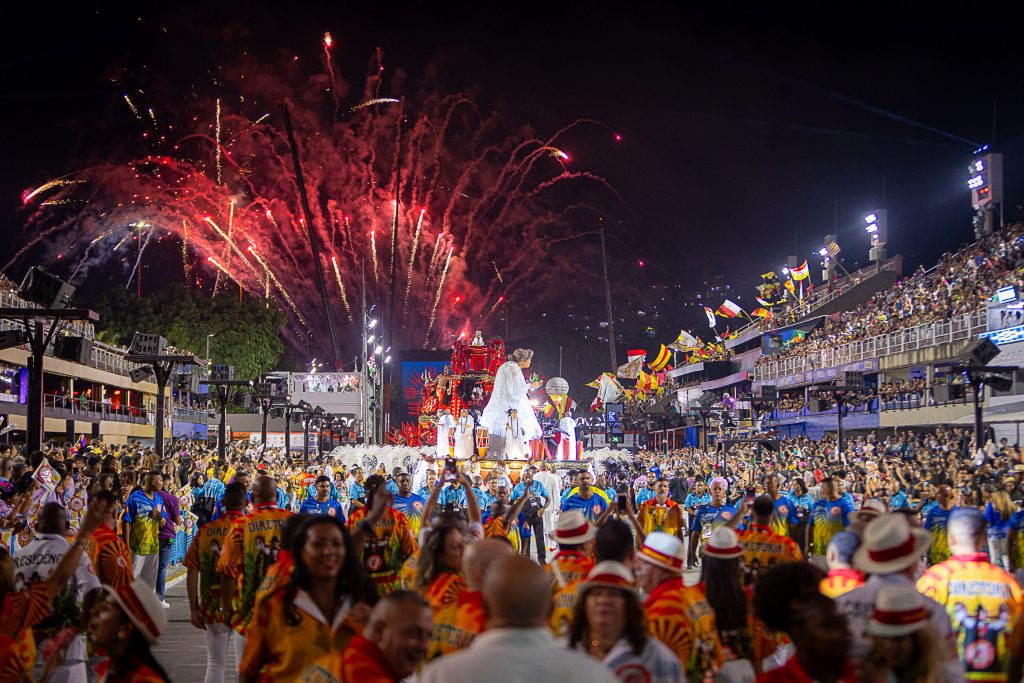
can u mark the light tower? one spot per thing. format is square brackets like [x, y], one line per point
[876, 226]
[985, 181]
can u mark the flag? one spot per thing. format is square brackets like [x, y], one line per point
[762, 302]
[729, 309]
[46, 476]
[630, 369]
[711, 316]
[645, 381]
[634, 353]
[608, 389]
[661, 360]
[790, 287]
[763, 313]
[684, 342]
[802, 272]
[832, 248]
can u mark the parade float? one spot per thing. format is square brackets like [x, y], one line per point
[449, 408]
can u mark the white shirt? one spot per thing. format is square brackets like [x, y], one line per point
[516, 655]
[41, 556]
[859, 604]
[656, 664]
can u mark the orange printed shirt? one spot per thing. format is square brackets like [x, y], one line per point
[456, 624]
[19, 612]
[110, 557]
[573, 567]
[983, 602]
[840, 581]
[277, 576]
[654, 517]
[250, 549]
[681, 618]
[203, 556]
[444, 590]
[284, 638]
[361, 662]
[387, 549]
[495, 527]
[764, 549]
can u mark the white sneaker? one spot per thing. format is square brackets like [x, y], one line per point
[165, 604]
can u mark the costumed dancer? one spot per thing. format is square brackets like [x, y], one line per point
[517, 446]
[511, 392]
[567, 444]
[445, 421]
[465, 436]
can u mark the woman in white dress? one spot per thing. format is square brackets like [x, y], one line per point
[511, 392]
[465, 434]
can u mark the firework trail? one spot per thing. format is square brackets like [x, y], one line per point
[437, 296]
[341, 287]
[498, 195]
[412, 263]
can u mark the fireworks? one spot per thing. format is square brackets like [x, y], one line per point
[501, 199]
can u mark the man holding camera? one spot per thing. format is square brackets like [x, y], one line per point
[533, 511]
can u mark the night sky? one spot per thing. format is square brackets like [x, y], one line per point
[744, 131]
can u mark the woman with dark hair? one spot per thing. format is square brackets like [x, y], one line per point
[124, 625]
[388, 538]
[608, 624]
[787, 600]
[721, 583]
[439, 568]
[323, 605]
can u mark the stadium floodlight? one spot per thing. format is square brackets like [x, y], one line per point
[377, 350]
[387, 359]
[369, 340]
[823, 252]
[785, 270]
[372, 323]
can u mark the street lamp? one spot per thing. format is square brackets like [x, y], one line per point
[213, 334]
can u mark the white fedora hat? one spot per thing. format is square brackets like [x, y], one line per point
[890, 545]
[899, 610]
[573, 529]
[142, 606]
[723, 544]
[871, 509]
[663, 550]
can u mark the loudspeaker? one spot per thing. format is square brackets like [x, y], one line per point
[706, 400]
[222, 373]
[147, 345]
[11, 338]
[980, 352]
[850, 379]
[140, 373]
[768, 391]
[45, 289]
[78, 349]
[1001, 381]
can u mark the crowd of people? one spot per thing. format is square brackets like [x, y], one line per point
[895, 559]
[960, 283]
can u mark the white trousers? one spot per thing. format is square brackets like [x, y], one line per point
[218, 636]
[146, 567]
[240, 642]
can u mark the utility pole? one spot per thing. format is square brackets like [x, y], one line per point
[608, 301]
[314, 242]
[148, 350]
[39, 327]
[222, 377]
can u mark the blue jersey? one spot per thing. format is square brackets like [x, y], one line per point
[695, 501]
[997, 526]
[392, 486]
[592, 507]
[356, 491]
[311, 506]
[644, 495]
[535, 486]
[898, 501]
[423, 493]
[709, 517]
[452, 496]
[411, 506]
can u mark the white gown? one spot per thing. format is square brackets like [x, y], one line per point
[517, 446]
[444, 423]
[465, 438]
[510, 391]
[567, 445]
